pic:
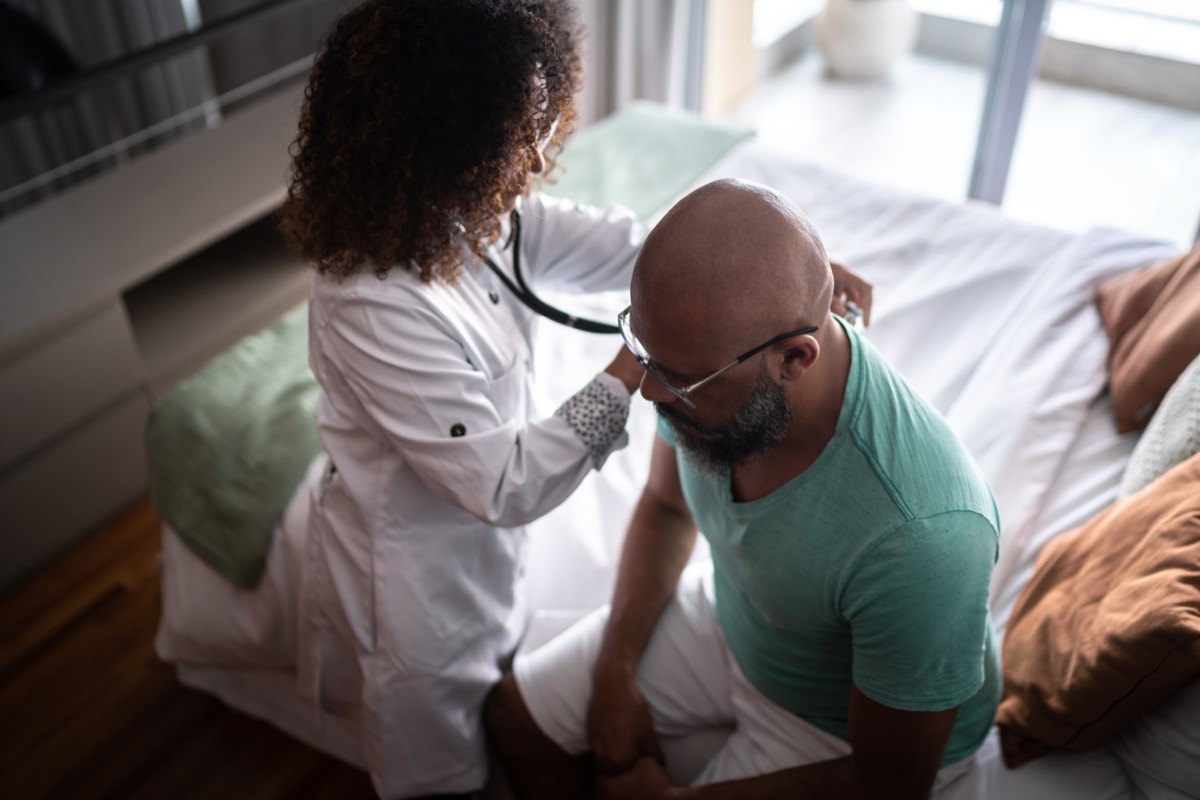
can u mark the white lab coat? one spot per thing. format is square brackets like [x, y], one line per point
[412, 596]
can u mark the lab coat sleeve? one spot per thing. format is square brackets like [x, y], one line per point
[597, 413]
[570, 247]
[458, 428]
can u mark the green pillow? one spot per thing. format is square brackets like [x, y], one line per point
[228, 447]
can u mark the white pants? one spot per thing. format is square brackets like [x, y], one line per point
[692, 685]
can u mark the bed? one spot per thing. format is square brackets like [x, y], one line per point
[993, 320]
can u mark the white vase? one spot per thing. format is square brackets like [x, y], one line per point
[862, 39]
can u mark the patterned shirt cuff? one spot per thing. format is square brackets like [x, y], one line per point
[597, 413]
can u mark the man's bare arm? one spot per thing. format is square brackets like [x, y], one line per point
[659, 541]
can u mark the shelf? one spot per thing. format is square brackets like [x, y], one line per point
[115, 290]
[80, 249]
[186, 315]
[71, 486]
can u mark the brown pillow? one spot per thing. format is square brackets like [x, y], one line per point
[1109, 625]
[1152, 317]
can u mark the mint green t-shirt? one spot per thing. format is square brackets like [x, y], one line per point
[871, 566]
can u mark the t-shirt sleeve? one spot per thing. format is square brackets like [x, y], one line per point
[664, 429]
[917, 609]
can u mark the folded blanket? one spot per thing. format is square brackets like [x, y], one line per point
[228, 447]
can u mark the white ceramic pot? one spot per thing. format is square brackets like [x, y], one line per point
[862, 39]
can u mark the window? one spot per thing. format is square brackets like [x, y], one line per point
[1163, 28]
[774, 19]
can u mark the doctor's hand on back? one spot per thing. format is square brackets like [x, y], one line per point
[851, 295]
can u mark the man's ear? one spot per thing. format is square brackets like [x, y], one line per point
[799, 355]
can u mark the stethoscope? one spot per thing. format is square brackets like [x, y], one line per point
[531, 300]
[523, 293]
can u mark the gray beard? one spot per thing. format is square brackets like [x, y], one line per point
[757, 428]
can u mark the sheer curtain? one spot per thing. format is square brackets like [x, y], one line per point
[641, 49]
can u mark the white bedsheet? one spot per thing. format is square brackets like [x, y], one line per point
[990, 319]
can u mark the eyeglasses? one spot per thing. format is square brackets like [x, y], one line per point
[684, 392]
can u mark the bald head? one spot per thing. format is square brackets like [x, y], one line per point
[740, 257]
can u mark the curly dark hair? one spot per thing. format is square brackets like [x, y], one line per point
[420, 118]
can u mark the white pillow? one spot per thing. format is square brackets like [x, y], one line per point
[207, 621]
[1172, 436]
[1161, 750]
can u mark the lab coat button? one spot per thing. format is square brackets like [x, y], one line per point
[494, 296]
[458, 429]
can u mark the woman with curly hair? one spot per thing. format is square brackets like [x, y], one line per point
[423, 125]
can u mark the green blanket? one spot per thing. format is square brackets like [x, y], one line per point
[228, 447]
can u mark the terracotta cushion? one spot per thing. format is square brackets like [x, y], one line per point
[1109, 624]
[1152, 317]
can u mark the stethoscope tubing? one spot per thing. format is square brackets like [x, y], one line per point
[536, 304]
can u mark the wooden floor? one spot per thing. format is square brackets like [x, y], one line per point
[88, 711]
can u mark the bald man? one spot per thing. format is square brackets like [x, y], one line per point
[841, 631]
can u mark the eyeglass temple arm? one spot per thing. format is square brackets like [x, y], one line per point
[781, 337]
